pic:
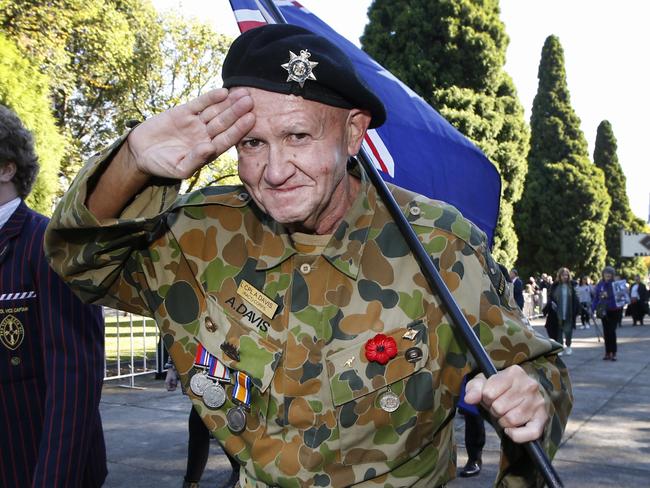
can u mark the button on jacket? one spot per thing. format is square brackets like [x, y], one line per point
[315, 416]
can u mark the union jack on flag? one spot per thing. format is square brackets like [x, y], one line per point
[416, 148]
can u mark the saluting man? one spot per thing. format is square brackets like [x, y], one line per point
[308, 338]
[51, 344]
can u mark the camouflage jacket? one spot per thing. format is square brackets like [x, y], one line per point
[315, 417]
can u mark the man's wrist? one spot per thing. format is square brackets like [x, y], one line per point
[116, 187]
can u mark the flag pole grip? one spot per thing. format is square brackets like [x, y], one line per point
[438, 286]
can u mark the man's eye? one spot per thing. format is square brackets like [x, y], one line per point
[299, 136]
[251, 143]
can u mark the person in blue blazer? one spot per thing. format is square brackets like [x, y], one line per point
[51, 345]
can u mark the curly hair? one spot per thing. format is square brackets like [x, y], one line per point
[17, 146]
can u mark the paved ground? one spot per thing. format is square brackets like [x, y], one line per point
[607, 442]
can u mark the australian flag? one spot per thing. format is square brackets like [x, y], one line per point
[416, 148]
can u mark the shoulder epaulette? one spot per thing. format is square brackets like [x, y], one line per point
[227, 195]
[423, 211]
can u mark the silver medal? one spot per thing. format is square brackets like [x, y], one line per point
[214, 396]
[236, 418]
[199, 383]
[389, 401]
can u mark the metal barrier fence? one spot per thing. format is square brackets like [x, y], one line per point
[133, 346]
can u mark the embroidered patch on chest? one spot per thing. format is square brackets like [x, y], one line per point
[12, 332]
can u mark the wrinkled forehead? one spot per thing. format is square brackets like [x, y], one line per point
[280, 106]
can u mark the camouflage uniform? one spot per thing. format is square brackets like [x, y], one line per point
[315, 418]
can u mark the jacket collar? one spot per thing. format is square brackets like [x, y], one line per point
[14, 225]
[345, 248]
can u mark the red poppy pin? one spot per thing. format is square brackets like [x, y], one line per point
[381, 349]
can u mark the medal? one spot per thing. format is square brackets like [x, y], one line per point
[241, 397]
[214, 395]
[199, 383]
[236, 418]
[389, 401]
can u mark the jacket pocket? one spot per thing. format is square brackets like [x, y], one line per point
[239, 347]
[367, 432]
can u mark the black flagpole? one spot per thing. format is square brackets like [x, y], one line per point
[436, 283]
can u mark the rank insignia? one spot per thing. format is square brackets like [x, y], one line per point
[230, 350]
[12, 332]
[300, 68]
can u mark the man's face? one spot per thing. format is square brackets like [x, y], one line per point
[293, 161]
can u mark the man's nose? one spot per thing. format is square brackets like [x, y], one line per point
[280, 166]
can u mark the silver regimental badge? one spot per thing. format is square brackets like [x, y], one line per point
[199, 383]
[214, 396]
[300, 68]
[389, 401]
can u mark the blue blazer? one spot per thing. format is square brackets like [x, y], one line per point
[51, 368]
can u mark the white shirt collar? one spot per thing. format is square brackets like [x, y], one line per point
[7, 210]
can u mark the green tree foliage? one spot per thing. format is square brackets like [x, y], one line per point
[620, 214]
[112, 60]
[452, 52]
[26, 91]
[561, 217]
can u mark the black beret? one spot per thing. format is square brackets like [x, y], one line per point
[288, 59]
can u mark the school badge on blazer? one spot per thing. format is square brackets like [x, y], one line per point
[12, 332]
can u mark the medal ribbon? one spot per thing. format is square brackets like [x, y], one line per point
[241, 393]
[217, 370]
[202, 357]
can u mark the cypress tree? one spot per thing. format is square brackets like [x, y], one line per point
[452, 54]
[620, 214]
[561, 217]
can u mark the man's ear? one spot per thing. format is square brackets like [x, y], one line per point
[7, 172]
[357, 124]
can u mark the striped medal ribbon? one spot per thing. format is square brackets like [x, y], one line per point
[200, 381]
[214, 395]
[241, 397]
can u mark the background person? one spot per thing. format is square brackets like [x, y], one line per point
[584, 290]
[638, 301]
[517, 288]
[474, 436]
[608, 311]
[51, 344]
[562, 309]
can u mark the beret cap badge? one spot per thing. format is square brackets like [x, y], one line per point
[300, 68]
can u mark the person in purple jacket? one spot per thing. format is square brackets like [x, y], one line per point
[51, 345]
[604, 303]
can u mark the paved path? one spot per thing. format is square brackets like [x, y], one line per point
[606, 444]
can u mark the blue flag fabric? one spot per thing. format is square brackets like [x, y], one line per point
[416, 148]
